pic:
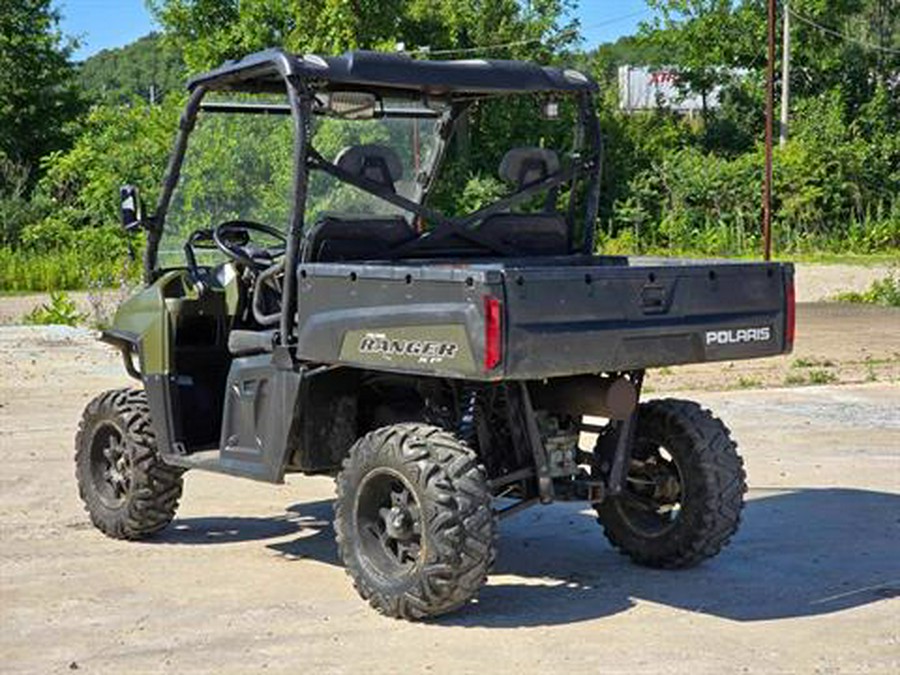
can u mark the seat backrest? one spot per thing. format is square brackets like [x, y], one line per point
[529, 233]
[377, 163]
[337, 238]
[523, 166]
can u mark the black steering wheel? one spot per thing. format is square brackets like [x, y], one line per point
[233, 239]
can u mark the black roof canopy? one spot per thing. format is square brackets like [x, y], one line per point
[368, 70]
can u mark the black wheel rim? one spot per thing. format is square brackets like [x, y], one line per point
[654, 492]
[110, 465]
[389, 523]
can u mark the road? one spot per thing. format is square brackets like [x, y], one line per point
[246, 580]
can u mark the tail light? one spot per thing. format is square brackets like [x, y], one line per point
[790, 317]
[493, 336]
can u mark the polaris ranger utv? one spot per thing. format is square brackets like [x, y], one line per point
[308, 308]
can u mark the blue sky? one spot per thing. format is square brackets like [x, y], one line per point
[101, 24]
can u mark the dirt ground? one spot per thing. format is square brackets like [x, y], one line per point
[836, 343]
[247, 580]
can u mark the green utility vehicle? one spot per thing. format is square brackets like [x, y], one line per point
[326, 293]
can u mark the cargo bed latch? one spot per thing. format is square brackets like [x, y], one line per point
[653, 299]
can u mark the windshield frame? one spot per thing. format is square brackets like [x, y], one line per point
[197, 104]
[301, 105]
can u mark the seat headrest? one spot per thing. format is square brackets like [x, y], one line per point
[377, 163]
[522, 166]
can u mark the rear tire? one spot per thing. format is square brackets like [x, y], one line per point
[413, 520]
[686, 465]
[126, 488]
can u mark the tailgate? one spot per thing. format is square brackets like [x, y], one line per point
[568, 320]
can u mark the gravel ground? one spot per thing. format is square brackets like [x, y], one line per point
[247, 579]
[836, 343]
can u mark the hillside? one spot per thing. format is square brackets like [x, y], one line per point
[146, 68]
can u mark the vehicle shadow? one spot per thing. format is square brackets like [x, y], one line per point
[224, 530]
[799, 553]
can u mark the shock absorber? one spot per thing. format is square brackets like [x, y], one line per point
[468, 402]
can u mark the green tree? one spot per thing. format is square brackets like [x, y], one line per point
[850, 44]
[38, 96]
[675, 182]
[867, 56]
[704, 39]
[147, 68]
[118, 144]
[211, 31]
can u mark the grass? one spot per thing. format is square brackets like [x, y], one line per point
[870, 360]
[15, 294]
[29, 272]
[822, 377]
[826, 253]
[884, 292]
[827, 258]
[816, 372]
[811, 377]
[748, 383]
[812, 363]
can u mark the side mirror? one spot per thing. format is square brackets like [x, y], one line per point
[130, 200]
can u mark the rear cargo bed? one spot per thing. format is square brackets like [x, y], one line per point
[559, 316]
[652, 312]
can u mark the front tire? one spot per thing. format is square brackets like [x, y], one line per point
[685, 488]
[126, 488]
[413, 520]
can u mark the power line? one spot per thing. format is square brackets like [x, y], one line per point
[842, 36]
[519, 43]
[601, 24]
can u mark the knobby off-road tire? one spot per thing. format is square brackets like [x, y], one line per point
[126, 488]
[414, 521]
[698, 451]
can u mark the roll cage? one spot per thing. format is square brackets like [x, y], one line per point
[460, 83]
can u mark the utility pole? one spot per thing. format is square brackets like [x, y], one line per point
[785, 73]
[770, 105]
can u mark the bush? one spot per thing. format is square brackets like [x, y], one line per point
[66, 235]
[16, 214]
[117, 144]
[61, 310]
[16, 209]
[679, 188]
[690, 200]
[882, 292]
